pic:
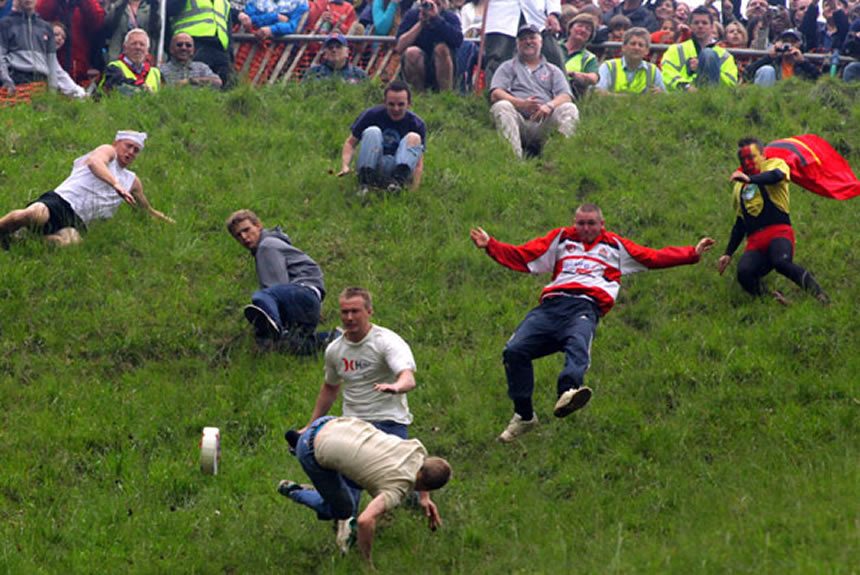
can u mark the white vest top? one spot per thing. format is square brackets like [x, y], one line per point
[90, 197]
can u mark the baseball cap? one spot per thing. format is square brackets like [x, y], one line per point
[794, 33]
[527, 29]
[335, 38]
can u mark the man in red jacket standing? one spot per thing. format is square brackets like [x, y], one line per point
[586, 262]
[83, 20]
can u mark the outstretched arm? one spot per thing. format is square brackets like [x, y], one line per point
[480, 237]
[430, 510]
[346, 155]
[137, 193]
[367, 526]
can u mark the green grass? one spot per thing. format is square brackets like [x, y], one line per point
[722, 438]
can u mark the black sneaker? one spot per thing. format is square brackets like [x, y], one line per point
[265, 325]
[400, 174]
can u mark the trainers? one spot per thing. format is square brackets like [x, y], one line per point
[517, 427]
[362, 192]
[571, 400]
[394, 188]
[265, 325]
[345, 533]
[285, 487]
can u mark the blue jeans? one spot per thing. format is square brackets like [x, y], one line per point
[765, 76]
[332, 498]
[560, 323]
[851, 73]
[295, 308]
[371, 156]
[335, 493]
[708, 71]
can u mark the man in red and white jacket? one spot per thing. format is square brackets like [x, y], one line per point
[586, 263]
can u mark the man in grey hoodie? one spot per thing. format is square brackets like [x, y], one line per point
[287, 305]
[28, 52]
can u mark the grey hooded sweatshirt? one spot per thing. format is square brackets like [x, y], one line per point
[279, 262]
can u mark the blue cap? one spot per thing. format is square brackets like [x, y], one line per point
[335, 38]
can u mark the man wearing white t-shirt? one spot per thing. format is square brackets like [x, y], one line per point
[374, 365]
[100, 181]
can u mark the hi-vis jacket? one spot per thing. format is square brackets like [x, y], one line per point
[676, 72]
[593, 270]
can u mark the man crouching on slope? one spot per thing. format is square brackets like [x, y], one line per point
[100, 181]
[586, 262]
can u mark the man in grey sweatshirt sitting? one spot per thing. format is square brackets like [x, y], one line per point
[287, 305]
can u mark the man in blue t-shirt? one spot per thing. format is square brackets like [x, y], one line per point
[392, 143]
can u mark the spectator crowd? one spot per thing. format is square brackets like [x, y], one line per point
[86, 46]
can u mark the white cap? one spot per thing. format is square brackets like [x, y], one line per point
[136, 137]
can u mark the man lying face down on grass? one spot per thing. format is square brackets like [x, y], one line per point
[332, 449]
[100, 181]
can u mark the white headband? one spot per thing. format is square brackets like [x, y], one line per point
[136, 137]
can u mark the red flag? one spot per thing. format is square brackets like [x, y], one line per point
[816, 166]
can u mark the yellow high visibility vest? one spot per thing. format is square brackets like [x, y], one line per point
[675, 70]
[204, 19]
[153, 78]
[642, 79]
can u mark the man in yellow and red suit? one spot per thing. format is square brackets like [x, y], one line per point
[760, 198]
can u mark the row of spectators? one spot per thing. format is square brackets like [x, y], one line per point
[88, 36]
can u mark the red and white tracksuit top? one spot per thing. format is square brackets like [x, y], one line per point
[593, 270]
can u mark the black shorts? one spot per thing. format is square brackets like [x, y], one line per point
[60, 214]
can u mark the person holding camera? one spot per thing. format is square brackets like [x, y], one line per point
[428, 38]
[783, 61]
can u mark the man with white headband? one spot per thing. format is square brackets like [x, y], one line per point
[100, 181]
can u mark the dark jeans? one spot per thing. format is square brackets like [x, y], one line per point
[295, 308]
[755, 264]
[336, 496]
[210, 52]
[560, 323]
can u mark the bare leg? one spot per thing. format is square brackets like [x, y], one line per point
[413, 67]
[444, 67]
[35, 215]
[64, 237]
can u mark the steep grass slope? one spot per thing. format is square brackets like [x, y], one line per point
[723, 432]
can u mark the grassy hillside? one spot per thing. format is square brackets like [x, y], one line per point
[722, 437]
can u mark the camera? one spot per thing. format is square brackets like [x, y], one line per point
[426, 6]
[782, 49]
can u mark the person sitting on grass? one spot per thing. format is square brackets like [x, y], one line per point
[530, 97]
[100, 181]
[334, 449]
[336, 63]
[393, 141]
[631, 74]
[286, 308]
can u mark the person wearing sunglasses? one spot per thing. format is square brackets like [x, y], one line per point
[182, 70]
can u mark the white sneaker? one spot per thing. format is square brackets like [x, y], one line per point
[571, 400]
[345, 534]
[517, 427]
